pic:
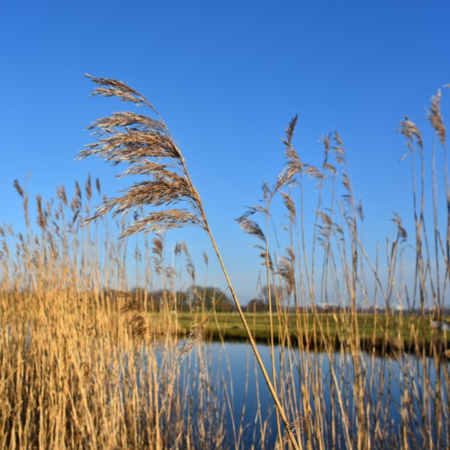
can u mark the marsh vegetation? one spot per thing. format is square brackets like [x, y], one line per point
[86, 361]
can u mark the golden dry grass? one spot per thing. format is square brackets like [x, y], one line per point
[84, 363]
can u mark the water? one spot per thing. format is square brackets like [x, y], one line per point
[390, 387]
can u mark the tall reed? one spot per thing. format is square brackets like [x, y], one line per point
[346, 275]
[87, 362]
[146, 145]
[81, 364]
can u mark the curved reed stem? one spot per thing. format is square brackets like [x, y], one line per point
[146, 145]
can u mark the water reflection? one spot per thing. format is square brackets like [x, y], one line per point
[394, 401]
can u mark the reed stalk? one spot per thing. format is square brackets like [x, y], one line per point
[87, 362]
[145, 139]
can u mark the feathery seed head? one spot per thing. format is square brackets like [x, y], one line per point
[147, 147]
[411, 131]
[435, 117]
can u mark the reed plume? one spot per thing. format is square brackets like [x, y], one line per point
[145, 144]
[147, 147]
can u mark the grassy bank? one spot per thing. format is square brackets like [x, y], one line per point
[375, 331]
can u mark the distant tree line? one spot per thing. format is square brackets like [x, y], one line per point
[199, 298]
[194, 299]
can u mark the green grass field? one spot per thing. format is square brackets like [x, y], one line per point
[406, 331]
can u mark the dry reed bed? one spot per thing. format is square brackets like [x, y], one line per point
[73, 382]
[82, 368]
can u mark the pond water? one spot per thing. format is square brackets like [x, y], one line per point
[402, 400]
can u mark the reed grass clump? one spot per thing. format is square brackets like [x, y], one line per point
[146, 145]
[82, 364]
[358, 354]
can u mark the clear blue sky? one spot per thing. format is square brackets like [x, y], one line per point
[227, 76]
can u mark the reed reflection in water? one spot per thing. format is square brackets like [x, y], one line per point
[401, 397]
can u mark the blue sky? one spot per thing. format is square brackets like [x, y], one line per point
[227, 76]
